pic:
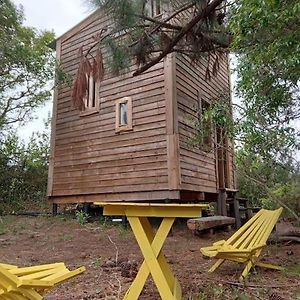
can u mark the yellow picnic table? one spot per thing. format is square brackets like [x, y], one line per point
[151, 244]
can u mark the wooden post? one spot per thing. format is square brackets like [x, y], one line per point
[236, 206]
[54, 209]
[221, 205]
[248, 210]
[124, 222]
[174, 175]
[86, 207]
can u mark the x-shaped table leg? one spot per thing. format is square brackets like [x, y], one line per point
[155, 262]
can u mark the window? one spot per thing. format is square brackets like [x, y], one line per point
[91, 99]
[154, 8]
[205, 125]
[124, 114]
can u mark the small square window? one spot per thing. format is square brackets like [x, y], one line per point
[124, 114]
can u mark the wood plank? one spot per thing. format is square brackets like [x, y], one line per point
[113, 189]
[198, 167]
[101, 169]
[172, 123]
[210, 88]
[95, 134]
[153, 94]
[197, 187]
[198, 181]
[91, 160]
[86, 179]
[110, 127]
[203, 174]
[132, 196]
[209, 222]
[128, 150]
[94, 144]
[53, 130]
[97, 121]
[135, 162]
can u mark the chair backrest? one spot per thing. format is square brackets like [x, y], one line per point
[7, 280]
[256, 231]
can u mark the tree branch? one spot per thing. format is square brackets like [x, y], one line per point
[204, 13]
[161, 23]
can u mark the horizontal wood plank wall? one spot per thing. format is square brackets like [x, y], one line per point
[198, 167]
[90, 157]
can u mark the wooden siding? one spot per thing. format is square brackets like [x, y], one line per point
[89, 156]
[198, 167]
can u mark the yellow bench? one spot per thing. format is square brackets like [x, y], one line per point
[31, 283]
[246, 244]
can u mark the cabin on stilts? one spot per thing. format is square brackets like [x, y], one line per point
[132, 139]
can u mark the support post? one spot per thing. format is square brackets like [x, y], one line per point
[86, 207]
[54, 209]
[249, 214]
[237, 215]
[124, 222]
[222, 209]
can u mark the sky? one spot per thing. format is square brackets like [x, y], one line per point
[56, 15]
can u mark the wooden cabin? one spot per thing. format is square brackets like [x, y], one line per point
[132, 141]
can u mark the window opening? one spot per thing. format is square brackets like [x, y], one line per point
[155, 8]
[124, 114]
[205, 125]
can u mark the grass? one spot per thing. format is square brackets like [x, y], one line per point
[82, 217]
[3, 229]
[65, 237]
[123, 231]
[294, 270]
[97, 263]
[219, 292]
[5, 224]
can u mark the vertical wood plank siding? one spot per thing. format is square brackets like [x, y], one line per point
[198, 167]
[90, 157]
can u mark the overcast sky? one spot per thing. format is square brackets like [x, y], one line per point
[56, 15]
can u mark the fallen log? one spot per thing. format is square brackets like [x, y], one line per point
[199, 224]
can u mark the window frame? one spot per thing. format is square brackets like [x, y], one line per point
[206, 141]
[153, 6]
[91, 100]
[118, 126]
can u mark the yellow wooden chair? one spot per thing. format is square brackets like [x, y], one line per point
[246, 244]
[31, 283]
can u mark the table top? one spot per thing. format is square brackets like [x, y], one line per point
[130, 209]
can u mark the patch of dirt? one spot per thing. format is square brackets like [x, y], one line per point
[29, 241]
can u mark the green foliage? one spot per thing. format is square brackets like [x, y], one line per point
[97, 263]
[118, 61]
[82, 217]
[209, 117]
[61, 77]
[26, 66]
[288, 192]
[265, 182]
[144, 34]
[267, 43]
[23, 172]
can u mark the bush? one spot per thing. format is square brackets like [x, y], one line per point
[23, 173]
